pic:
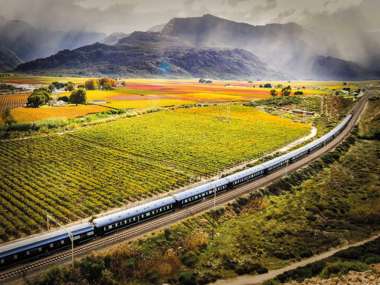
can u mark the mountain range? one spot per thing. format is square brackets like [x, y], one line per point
[206, 46]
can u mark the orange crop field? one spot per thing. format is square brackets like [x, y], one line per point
[12, 101]
[66, 112]
[151, 93]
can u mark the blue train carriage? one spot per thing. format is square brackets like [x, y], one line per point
[246, 175]
[31, 248]
[135, 215]
[201, 192]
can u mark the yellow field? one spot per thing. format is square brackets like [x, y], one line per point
[22, 115]
[151, 93]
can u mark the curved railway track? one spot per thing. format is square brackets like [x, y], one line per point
[33, 267]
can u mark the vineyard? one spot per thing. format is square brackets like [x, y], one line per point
[12, 101]
[79, 174]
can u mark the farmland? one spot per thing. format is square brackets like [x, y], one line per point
[333, 201]
[155, 93]
[36, 114]
[93, 169]
[10, 101]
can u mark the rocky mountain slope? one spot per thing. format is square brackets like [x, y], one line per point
[133, 59]
[211, 47]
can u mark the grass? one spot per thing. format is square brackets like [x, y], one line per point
[109, 165]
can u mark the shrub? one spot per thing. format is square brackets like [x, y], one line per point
[91, 268]
[39, 97]
[190, 258]
[69, 86]
[91, 84]
[78, 96]
[187, 278]
[63, 98]
[343, 267]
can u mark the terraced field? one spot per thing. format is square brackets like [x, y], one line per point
[82, 173]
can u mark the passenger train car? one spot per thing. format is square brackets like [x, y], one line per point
[34, 247]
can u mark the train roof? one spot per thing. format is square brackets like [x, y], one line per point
[131, 212]
[245, 172]
[43, 239]
[200, 189]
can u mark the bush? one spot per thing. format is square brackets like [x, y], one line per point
[39, 97]
[91, 268]
[69, 86]
[190, 258]
[187, 278]
[91, 84]
[78, 96]
[343, 267]
[63, 98]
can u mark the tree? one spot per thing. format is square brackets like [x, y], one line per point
[69, 86]
[78, 96]
[7, 117]
[107, 83]
[286, 91]
[39, 97]
[267, 85]
[91, 84]
[273, 93]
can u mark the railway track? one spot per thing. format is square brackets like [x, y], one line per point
[33, 267]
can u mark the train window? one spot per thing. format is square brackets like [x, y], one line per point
[51, 245]
[148, 214]
[2, 261]
[27, 252]
[40, 249]
[105, 228]
[15, 256]
[62, 241]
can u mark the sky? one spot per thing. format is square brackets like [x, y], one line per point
[131, 15]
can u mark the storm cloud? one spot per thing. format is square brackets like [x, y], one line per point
[130, 15]
[353, 26]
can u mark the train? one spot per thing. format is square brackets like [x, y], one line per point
[44, 244]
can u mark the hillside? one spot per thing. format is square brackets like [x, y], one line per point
[131, 57]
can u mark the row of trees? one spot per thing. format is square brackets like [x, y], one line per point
[42, 96]
[286, 91]
[68, 86]
[102, 84]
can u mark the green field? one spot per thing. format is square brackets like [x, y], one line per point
[81, 173]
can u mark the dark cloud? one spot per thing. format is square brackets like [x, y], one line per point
[129, 15]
